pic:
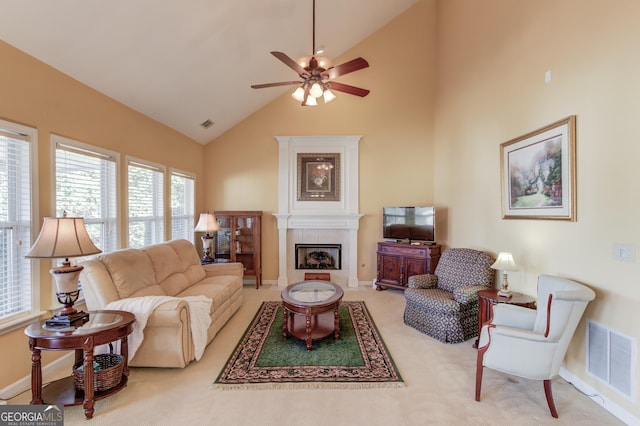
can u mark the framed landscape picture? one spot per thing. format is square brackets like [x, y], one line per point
[319, 177]
[538, 173]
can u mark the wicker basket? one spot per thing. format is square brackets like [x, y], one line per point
[108, 376]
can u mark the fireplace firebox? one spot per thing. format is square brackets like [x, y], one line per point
[318, 256]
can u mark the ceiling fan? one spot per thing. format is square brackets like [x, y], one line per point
[317, 73]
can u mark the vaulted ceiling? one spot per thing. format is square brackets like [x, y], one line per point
[184, 62]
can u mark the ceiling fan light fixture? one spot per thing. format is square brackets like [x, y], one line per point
[328, 96]
[316, 90]
[298, 94]
[311, 101]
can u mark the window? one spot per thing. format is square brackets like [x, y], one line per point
[86, 186]
[18, 276]
[182, 205]
[146, 203]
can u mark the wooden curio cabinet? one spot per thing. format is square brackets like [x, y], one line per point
[239, 240]
[398, 261]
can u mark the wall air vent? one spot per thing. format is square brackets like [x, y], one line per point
[206, 124]
[610, 358]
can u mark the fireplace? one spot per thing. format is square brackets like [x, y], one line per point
[318, 256]
[312, 222]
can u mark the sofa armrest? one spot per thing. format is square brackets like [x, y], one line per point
[467, 294]
[168, 328]
[514, 316]
[422, 281]
[217, 269]
[97, 285]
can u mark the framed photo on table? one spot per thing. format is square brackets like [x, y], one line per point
[318, 177]
[538, 173]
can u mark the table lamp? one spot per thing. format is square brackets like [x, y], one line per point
[207, 224]
[505, 263]
[64, 237]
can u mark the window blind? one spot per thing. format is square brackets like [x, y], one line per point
[146, 204]
[86, 186]
[182, 205]
[15, 224]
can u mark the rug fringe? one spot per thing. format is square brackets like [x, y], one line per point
[304, 385]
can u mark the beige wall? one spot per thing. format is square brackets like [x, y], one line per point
[395, 120]
[492, 59]
[36, 95]
[431, 128]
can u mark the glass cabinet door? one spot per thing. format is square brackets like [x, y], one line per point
[244, 241]
[223, 238]
[239, 240]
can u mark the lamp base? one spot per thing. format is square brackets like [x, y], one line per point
[207, 259]
[504, 293]
[74, 319]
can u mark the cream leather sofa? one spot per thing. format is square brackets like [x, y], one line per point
[168, 269]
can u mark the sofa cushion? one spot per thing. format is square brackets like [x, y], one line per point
[189, 260]
[174, 266]
[462, 267]
[150, 290]
[125, 264]
[433, 300]
[164, 259]
[219, 289]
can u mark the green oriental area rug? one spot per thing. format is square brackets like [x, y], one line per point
[264, 359]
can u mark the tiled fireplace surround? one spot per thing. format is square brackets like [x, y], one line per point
[317, 222]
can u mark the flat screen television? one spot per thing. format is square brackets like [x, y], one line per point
[409, 224]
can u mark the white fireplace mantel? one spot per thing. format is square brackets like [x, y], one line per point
[318, 220]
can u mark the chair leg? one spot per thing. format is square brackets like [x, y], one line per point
[479, 370]
[549, 395]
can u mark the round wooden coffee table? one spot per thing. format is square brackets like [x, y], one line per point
[318, 302]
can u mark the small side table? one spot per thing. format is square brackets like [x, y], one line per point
[490, 297]
[103, 327]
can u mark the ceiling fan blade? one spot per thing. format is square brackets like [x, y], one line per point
[282, 83]
[350, 66]
[291, 63]
[352, 90]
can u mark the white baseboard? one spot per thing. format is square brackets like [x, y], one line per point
[622, 414]
[55, 370]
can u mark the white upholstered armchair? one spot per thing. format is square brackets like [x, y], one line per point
[532, 343]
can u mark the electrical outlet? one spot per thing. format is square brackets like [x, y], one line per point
[624, 252]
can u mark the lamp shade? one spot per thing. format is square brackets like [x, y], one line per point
[505, 262]
[207, 223]
[63, 237]
[328, 96]
[298, 94]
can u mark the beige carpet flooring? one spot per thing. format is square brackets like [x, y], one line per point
[439, 387]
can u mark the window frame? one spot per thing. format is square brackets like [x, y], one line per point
[91, 150]
[19, 320]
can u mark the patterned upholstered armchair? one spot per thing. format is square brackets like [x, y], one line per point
[445, 305]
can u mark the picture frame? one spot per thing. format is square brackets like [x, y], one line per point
[318, 177]
[538, 173]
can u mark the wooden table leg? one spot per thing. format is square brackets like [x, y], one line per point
[36, 373]
[309, 340]
[285, 322]
[124, 351]
[89, 400]
[336, 314]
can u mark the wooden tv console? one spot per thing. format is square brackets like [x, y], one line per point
[398, 261]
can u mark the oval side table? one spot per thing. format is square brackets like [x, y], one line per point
[103, 327]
